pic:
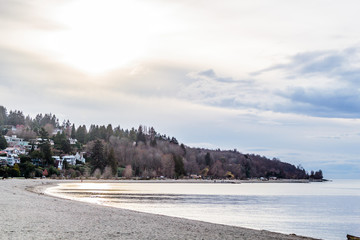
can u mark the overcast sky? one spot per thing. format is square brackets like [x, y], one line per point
[277, 78]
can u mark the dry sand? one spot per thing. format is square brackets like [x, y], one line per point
[33, 215]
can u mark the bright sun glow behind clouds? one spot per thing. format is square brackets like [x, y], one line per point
[103, 35]
[238, 68]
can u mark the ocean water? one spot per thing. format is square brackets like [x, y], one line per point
[327, 210]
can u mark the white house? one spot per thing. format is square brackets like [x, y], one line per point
[3, 161]
[9, 160]
[15, 150]
[14, 141]
[70, 159]
[38, 141]
[80, 157]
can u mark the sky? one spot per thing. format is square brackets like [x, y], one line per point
[276, 78]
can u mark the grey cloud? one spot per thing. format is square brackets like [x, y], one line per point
[341, 99]
[209, 89]
[343, 103]
[30, 78]
[206, 87]
[333, 64]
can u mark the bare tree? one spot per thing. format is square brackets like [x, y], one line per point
[128, 172]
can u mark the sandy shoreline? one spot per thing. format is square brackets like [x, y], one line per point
[29, 215]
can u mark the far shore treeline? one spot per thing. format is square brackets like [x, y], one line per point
[116, 152]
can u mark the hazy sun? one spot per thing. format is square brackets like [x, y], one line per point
[102, 35]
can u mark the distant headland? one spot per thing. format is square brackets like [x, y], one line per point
[44, 147]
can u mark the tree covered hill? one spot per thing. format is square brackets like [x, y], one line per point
[141, 152]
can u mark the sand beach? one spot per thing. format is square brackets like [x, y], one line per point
[27, 213]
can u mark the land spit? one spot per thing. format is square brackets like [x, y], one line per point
[29, 214]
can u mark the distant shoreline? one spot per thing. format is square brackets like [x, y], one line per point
[229, 181]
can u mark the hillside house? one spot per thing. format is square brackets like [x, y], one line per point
[9, 160]
[70, 159]
[16, 142]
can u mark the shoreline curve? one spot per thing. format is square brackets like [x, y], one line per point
[28, 213]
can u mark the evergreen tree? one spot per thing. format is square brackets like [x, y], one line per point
[183, 148]
[118, 132]
[132, 134]
[109, 132]
[247, 168]
[15, 171]
[97, 156]
[179, 166]
[94, 133]
[36, 154]
[81, 134]
[65, 146]
[140, 136]
[174, 141]
[16, 118]
[3, 143]
[45, 148]
[207, 159]
[62, 142]
[102, 133]
[318, 175]
[73, 132]
[43, 134]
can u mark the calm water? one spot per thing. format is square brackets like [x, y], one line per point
[322, 210]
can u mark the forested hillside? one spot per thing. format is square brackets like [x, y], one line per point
[141, 152]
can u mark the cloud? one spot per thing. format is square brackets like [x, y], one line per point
[27, 14]
[206, 87]
[35, 83]
[320, 83]
[26, 69]
[211, 74]
[147, 79]
[339, 64]
[343, 103]
[310, 63]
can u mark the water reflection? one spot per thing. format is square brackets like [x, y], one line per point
[328, 211]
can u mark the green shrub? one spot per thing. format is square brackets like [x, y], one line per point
[15, 171]
[38, 172]
[52, 170]
[3, 171]
[120, 171]
[27, 170]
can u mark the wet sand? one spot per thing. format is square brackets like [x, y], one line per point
[27, 213]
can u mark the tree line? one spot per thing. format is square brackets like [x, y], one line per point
[139, 152]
